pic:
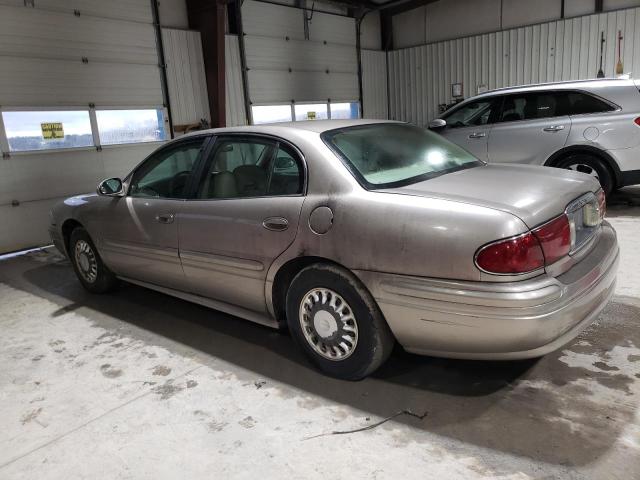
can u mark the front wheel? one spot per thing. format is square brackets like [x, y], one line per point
[337, 323]
[591, 166]
[91, 271]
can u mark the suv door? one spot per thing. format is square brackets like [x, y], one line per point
[468, 126]
[530, 128]
[140, 231]
[245, 214]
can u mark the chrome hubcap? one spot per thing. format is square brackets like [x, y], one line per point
[86, 261]
[582, 168]
[328, 324]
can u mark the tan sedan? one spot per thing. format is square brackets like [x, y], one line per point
[355, 234]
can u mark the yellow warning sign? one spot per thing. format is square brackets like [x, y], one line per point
[52, 130]
[311, 115]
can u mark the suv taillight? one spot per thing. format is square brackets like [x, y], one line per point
[637, 121]
[525, 253]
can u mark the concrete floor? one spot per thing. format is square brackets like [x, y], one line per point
[136, 384]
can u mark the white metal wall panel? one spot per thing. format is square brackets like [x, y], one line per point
[234, 105]
[268, 20]
[284, 67]
[30, 32]
[131, 10]
[186, 79]
[420, 78]
[269, 87]
[374, 84]
[25, 177]
[41, 82]
[264, 53]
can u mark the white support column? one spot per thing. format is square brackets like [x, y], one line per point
[94, 127]
[4, 142]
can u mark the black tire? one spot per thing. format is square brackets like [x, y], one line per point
[374, 338]
[585, 163]
[104, 280]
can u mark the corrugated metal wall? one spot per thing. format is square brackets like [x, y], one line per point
[420, 78]
[374, 84]
[234, 105]
[283, 66]
[185, 76]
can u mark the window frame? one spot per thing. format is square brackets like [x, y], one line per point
[93, 113]
[556, 91]
[91, 109]
[4, 139]
[496, 108]
[292, 106]
[172, 145]
[614, 106]
[210, 151]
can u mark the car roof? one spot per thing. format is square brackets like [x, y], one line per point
[317, 126]
[567, 85]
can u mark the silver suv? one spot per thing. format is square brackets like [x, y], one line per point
[590, 126]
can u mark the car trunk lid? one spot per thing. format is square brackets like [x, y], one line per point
[533, 194]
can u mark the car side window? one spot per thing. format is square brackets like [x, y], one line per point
[532, 106]
[583, 103]
[473, 114]
[286, 174]
[166, 174]
[244, 168]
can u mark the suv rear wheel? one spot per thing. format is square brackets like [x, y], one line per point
[591, 165]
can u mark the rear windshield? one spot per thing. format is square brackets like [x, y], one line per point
[388, 155]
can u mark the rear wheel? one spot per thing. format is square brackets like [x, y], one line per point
[590, 165]
[336, 322]
[91, 271]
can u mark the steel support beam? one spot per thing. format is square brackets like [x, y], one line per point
[208, 17]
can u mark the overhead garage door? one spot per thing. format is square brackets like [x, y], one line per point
[288, 68]
[89, 70]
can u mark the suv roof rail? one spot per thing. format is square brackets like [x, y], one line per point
[565, 82]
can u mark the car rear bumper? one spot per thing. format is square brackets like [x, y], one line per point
[497, 321]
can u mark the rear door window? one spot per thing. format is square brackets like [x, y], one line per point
[532, 106]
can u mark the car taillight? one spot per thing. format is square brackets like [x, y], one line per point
[525, 253]
[637, 121]
[521, 254]
[554, 238]
[602, 202]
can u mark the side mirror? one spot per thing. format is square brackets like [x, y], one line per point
[437, 124]
[111, 187]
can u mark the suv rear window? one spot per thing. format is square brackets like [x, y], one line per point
[581, 103]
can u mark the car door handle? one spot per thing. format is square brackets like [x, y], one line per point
[478, 135]
[553, 128]
[165, 217]
[276, 224]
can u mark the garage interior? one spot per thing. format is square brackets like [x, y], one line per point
[137, 384]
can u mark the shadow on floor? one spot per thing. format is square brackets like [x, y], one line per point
[544, 410]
